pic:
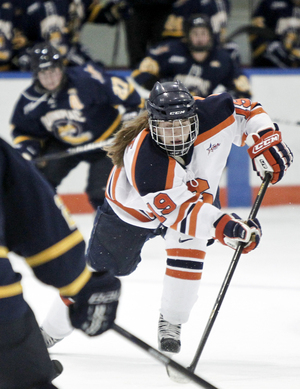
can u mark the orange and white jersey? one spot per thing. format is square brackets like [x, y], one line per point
[154, 188]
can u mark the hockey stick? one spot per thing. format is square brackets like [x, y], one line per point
[287, 122]
[162, 358]
[249, 29]
[173, 374]
[116, 45]
[57, 367]
[73, 151]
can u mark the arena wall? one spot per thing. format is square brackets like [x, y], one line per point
[277, 90]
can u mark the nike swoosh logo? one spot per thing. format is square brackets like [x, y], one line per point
[184, 240]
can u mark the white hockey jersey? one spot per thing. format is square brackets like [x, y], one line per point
[154, 188]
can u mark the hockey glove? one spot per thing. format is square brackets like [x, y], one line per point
[231, 229]
[95, 306]
[28, 149]
[269, 153]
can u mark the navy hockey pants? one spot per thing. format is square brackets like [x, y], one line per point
[115, 245]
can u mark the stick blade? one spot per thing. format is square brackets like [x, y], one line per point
[57, 367]
[176, 376]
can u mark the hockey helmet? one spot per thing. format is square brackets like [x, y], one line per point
[194, 21]
[173, 122]
[45, 56]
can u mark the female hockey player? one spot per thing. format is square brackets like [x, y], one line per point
[167, 166]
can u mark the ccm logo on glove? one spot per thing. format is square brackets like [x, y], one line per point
[95, 306]
[269, 153]
[104, 298]
[265, 144]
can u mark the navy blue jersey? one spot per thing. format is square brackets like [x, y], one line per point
[53, 22]
[279, 17]
[44, 20]
[275, 14]
[276, 55]
[85, 109]
[216, 10]
[35, 224]
[59, 22]
[7, 25]
[172, 60]
[59, 19]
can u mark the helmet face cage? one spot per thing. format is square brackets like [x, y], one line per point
[174, 136]
[173, 122]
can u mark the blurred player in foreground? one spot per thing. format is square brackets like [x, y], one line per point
[167, 167]
[35, 225]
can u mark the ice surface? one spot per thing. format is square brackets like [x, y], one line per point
[254, 343]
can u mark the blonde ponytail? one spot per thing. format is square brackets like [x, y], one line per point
[124, 136]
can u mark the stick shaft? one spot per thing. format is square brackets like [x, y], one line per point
[286, 121]
[73, 151]
[228, 277]
[162, 358]
[265, 33]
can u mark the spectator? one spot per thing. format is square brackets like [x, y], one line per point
[277, 42]
[196, 60]
[70, 106]
[60, 22]
[217, 11]
[9, 35]
[33, 226]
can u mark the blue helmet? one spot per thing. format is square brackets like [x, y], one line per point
[173, 121]
[169, 101]
[45, 56]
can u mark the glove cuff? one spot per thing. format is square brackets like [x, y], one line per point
[220, 225]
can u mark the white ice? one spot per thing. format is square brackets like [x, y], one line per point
[254, 343]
